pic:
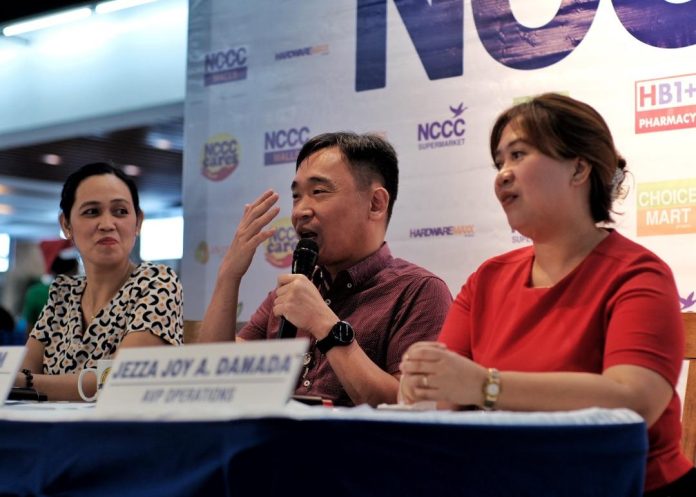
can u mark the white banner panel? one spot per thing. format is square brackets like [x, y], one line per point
[431, 76]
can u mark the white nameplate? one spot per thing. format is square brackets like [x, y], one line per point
[202, 380]
[10, 361]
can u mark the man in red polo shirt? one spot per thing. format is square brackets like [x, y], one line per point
[364, 307]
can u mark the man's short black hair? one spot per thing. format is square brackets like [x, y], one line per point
[370, 157]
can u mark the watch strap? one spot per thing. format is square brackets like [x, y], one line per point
[491, 389]
[326, 343]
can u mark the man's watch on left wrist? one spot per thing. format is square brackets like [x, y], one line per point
[340, 335]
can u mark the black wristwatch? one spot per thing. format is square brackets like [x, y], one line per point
[341, 334]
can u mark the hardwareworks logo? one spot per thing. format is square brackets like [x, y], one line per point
[467, 230]
[280, 246]
[302, 52]
[445, 132]
[687, 302]
[219, 157]
[283, 145]
[224, 66]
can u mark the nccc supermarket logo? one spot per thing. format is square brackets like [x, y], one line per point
[447, 132]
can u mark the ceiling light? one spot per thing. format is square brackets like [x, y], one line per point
[46, 21]
[114, 5]
[162, 144]
[131, 170]
[6, 209]
[52, 159]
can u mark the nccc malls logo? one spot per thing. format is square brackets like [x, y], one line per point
[280, 246]
[224, 66]
[283, 145]
[219, 157]
[443, 133]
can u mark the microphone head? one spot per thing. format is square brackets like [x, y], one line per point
[307, 244]
[304, 258]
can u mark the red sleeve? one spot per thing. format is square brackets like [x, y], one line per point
[645, 327]
[456, 331]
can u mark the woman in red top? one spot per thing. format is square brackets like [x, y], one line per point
[584, 317]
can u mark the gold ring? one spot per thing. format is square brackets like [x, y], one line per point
[425, 381]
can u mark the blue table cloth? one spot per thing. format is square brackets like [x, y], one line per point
[281, 456]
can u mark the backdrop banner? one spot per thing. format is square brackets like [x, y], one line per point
[430, 76]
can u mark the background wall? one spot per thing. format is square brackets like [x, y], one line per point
[264, 75]
[75, 78]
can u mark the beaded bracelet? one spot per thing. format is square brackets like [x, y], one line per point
[28, 377]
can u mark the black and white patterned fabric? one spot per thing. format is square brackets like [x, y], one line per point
[150, 300]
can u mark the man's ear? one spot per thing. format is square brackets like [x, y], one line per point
[582, 172]
[379, 203]
[65, 226]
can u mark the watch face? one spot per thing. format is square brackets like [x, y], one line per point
[343, 332]
[492, 389]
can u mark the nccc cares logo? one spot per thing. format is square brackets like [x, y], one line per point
[219, 157]
[280, 246]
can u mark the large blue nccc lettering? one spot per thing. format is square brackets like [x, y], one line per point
[519, 47]
[437, 32]
[659, 23]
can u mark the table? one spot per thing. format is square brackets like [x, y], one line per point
[359, 452]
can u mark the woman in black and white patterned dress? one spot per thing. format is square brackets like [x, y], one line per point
[116, 304]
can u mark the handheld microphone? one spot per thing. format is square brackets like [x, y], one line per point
[304, 258]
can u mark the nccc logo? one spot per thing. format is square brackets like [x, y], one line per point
[436, 30]
[234, 57]
[219, 157]
[225, 65]
[443, 129]
[445, 133]
[283, 146]
[292, 137]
